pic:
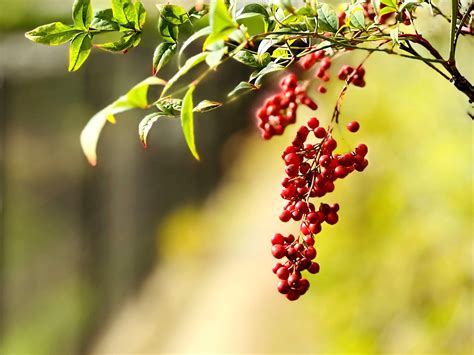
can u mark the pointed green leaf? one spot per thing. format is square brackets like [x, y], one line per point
[168, 31]
[219, 17]
[123, 44]
[135, 98]
[173, 14]
[242, 88]
[145, 126]
[82, 13]
[118, 9]
[357, 19]
[247, 58]
[207, 105]
[387, 10]
[327, 18]
[163, 54]
[220, 21]
[169, 106]
[188, 65]
[53, 34]
[141, 16]
[79, 50]
[187, 121]
[214, 58]
[104, 21]
[201, 33]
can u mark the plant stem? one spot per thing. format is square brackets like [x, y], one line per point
[454, 17]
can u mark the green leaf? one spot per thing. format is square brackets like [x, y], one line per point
[387, 10]
[188, 65]
[187, 121]
[168, 32]
[219, 17]
[391, 3]
[270, 68]
[206, 106]
[247, 58]
[254, 9]
[145, 126]
[173, 14]
[141, 16]
[127, 41]
[118, 9]
[169, 106]
[327, 18]
[135, 98]
[53, 34]
[220, 21]
[82, 13]
[214, 57]
[104, 21]
[163, 54]
[242, 88]
[357, 19]
[201, 33]
[79, 50]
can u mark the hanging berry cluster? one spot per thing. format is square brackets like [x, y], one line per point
[312, 167]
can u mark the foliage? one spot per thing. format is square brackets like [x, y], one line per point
[267, 38]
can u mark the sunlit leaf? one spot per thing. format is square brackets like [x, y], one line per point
[187, 121]
[145, 126]
[104, 21]
[127, 41]
[173, 14]
[79, 50]
[201, 33]
[220, 21]
[53, 34]
[163, 54]
[327, 18]
[207, 105]
[82, 13]
[188, 65]
[135, 98]
[242, 88]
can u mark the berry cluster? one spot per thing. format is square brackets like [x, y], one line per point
[280, 110]
[354, 75]
[311, 169]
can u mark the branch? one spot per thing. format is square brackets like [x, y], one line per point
[454, 17]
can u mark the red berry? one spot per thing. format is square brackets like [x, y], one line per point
[353, 126]
[283, 287]
[278, 251]
[320, 132]
[278, 239]
[313, 123]
[314, 268]
[283, 273]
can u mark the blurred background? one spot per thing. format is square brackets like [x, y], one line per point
[153, 252]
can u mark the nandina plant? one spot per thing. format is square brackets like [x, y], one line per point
[273, 37]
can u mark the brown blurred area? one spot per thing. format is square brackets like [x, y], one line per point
[152, 252]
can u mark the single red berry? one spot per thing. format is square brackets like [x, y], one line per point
[320, 132]
[278, 239]
[310, 253]
[313, 123]
[292, 295]
[314, 268]
[332, 218]
[278, 251]
[353, 126]
[285, 216]
[283, 273]
[283, 287]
